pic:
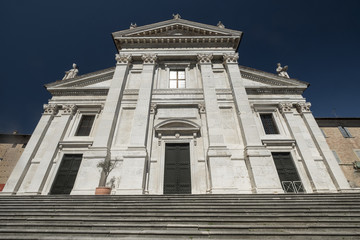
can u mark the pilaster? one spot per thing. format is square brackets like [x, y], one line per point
[133, 172]
[330, 162]
[318, 176]
[41, 163]
[17, 176]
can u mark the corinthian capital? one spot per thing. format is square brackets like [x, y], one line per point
[285, 107]
[123, 58]
[69, 109]
[50, 109]
[302, 107]
[204, 58]
[149, 58]
[231, 57]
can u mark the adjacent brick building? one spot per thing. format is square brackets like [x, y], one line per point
[11, 148]
[343, 137]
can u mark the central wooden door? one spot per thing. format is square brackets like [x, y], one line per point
[67, 173]
[177, 178]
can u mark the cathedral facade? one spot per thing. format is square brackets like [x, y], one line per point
[177, 115]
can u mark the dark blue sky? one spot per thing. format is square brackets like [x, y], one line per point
[319, 40]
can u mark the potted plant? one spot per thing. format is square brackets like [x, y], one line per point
[106, 166]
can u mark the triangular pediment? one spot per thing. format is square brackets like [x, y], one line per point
[96, 82]
[260, 82]
[178, 31]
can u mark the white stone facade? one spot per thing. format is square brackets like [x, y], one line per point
[218, 113]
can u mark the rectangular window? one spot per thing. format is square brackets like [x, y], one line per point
[269, 123]
[336, 156]
[345, 132]
[85, 125]
[177, 79]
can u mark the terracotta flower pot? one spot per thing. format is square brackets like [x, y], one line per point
[102, 191]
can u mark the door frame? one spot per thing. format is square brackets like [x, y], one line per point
[55, 165]
[162, 161]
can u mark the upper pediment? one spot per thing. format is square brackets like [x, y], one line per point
[177, 31]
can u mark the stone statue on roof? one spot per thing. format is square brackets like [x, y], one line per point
[72, 72]
[282, 71]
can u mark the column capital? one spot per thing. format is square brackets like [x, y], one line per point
[50, 109]
[123, 58]
[302, 107]
[69, 109]
[201, 107]
[149, 58]
[231, 57]
[153, 108]
[285, 107]
[204, 58]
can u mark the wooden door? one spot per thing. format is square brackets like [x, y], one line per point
[177, 178]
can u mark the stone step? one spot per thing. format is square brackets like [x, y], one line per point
[120, 211]
[188, 232]
[310, 216]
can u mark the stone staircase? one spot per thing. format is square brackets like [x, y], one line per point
[282, 216]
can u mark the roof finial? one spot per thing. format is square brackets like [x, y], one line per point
[133, 25]
[220, 25]
[177, 16]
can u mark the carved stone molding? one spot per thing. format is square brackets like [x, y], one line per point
[69, 109]
[285, 107]
[123, 58]
[201, 107]
[231, 57]
[204, 58]
[153, 108]
[149, 58]
[302, 107]
[51, 109]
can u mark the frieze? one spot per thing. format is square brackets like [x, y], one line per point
[204, 58]
[79, 92]
[260, 91]
[51, 109]
[302, 107]
[131, 91]
[123, 58]
[178, 91]
[231, 57]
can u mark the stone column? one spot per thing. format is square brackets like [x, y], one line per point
[320, 180]
[89, 174]
[133, 168]
[330, 162]
[42, 161]
[22, 166]
[262, 170]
